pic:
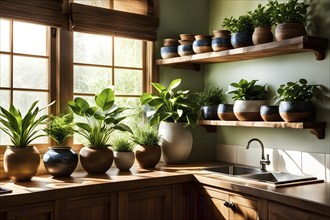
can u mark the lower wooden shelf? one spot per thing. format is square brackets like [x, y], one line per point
[316, 128]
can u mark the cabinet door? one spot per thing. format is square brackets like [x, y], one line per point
[40, 211]
[245, 207]
[102, 207]
[181, 201]
[145, 204]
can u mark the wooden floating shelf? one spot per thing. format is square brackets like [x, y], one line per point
[293, 45]
[316, 128]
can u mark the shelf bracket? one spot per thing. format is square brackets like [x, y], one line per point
[211, 129]
[318, 132]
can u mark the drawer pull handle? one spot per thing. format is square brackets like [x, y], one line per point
[230, 205]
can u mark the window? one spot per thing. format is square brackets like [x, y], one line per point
[24, 67]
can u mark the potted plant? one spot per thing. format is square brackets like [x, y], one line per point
[262, 22]
[248, 99]
[290, 18]
[295, 100]
[60, 160]
[100, 121]
[147, 149]
[123, 153]
[21, 160]
[241, 29]
[174, 110]
[209, 99]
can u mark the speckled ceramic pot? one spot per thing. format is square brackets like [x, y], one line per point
[289, 30]
[184, 50]
[226, 112]
[241, 39]
[221, 40]
[296, 111]
[60, 161]
[169, 52]
[202, 44]
[270, 113]
[210, 112]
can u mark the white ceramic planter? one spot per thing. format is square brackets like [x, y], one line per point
[177, 142]
[124, 160]
[249, 110]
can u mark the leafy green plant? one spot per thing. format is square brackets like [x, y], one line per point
[245, 90]
[211, 96]
[101, 120]
[122, 145]
[170, 106]
[289, 12]
[22, 130]
[241, 24]
[60, 127]
[297, 91]
[146, 135]
[261, 17]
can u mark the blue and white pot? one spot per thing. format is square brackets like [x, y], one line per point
[296, 111]
[241, 39]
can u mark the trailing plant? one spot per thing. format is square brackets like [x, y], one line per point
[170, 106]
[241, 24]
[211, 96]
[60, 127]
[22, 130]
[288, 12]
[100, 120]
[146, 135]
[122, 145]
[297, 91]
[245, 90]
[261, 17]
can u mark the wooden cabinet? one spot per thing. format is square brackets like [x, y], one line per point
[212, 203]
[152, 203]
[278, 211]
[39, 211]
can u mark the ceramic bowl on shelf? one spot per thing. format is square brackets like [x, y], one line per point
[169, 52]
[184, 50]
[226, 112]
[202, 44]
[270, 113]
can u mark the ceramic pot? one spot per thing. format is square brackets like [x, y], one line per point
[262, 35]
[170, 42]
[221, 40]
[177, 142]
[184, 50]
[147, 156]
[210, 112]
[296, 111]
[60, 161]
[187, 37]
[96, 160]
[270, 113]
[21, 164]
[169, 52]
[241, 39]
[202, 44]
[124, 160]
[289, 30]
[226, 112]
[248, 110]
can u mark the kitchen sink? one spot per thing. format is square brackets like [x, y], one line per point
[279, 178]
[235, 170]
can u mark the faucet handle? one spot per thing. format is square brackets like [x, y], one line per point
[265, 161]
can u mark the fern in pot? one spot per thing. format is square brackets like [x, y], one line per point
[296, 100]
[100, 120]
[21, 160]
[209, 99]
[60, 160]
[248, 97]
[123, 153]
[147, 149]
[174, 110]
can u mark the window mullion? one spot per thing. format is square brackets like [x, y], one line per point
[11, 61]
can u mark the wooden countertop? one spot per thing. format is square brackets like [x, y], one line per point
[313, 197]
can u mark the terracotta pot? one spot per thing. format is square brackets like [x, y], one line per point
[210, 112]
[170, 42]
[124, 160]
[96, 160]
[202, 44]
[262, 35]
[147, 156]
[21, 164]
[270, 113]
[241, 39]
[289, 30]
[296, 111]
[177, 142]
[187, 37]
[60, 161]
[248, 110]
[226, 112]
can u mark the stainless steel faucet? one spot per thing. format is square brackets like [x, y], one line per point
[263, 161]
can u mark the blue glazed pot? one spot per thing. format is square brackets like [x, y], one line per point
[60, 161]
[210, 112]
[221, 43]
[226, 112]
[270, 113]
[184, 50]
[202, 44]
[296, 111]
[241, 39]
[168, 52]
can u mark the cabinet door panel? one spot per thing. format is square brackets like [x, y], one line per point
[245, 208]
[41, 211]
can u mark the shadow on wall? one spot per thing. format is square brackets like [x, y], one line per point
[318, 18]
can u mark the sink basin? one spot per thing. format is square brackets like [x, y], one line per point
[279, 178]
[234, 170]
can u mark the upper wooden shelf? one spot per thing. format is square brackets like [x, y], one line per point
[293, 45]
[316, 128]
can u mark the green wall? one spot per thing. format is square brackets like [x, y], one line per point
[203, 16]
